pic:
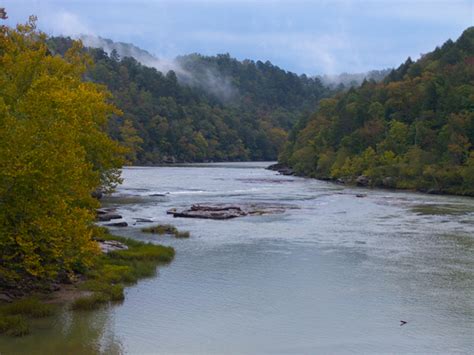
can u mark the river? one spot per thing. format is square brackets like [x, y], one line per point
[334, 273]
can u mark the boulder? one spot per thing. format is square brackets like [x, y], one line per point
[363, 180]
[5, 298]
[281, 168]
[117, 224]
[108, 216]
[276, 167]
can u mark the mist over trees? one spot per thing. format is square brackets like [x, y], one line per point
[213, 109]
[413, 130]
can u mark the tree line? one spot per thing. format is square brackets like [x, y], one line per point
[224, 110]
[414, 130]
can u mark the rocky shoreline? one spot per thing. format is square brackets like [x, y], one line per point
[387, 182]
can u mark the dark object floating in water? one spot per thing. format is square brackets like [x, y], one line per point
[226, 211]
[402, 322]
[361, 195]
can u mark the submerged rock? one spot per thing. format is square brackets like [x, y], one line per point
[143, 220]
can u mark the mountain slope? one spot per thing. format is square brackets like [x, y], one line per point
[207, 109]
[414, 130]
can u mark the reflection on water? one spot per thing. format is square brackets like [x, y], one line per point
[336, 274]
[67, 333]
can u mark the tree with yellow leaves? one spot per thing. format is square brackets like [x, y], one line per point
[54, 153]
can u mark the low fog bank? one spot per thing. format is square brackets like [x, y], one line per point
[207, 79]
[355, 79]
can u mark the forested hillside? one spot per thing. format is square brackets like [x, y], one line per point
[414, 130]
[211, 109]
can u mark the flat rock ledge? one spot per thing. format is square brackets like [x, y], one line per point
[106, 214]
[226, 211]
[107, 246]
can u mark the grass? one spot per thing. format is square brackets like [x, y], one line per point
[30, 307]
[166, 229]
[117, 269]
[441, 210]
[14, 317]
[88, 303]
[14, 325]
[161, 229]
[105, 281]
[184, 234]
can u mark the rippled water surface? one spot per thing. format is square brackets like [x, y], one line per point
[335, 273]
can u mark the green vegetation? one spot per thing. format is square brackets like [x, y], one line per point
[14, 317]
[104, 281]
[221, 110]
[14, 326]
[166, 229]
[184, 234]
[54, 152]
[30, 307]
[415, 130]
[112, 271]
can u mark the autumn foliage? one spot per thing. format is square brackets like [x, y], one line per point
[53, 155]
[415, 130]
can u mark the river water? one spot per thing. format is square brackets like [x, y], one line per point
[334, 273]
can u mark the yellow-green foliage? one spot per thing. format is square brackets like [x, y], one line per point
[166, 229]
[413, 130]
[161, 229]
[111, 272]
[53, 153]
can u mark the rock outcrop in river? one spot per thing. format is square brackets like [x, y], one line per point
[227, 211]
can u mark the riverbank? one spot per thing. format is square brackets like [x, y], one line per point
[388, 183]
[122, 263]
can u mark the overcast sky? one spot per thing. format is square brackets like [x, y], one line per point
[312, 37]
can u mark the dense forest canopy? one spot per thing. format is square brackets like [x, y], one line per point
[413, 130]
[209, 109]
